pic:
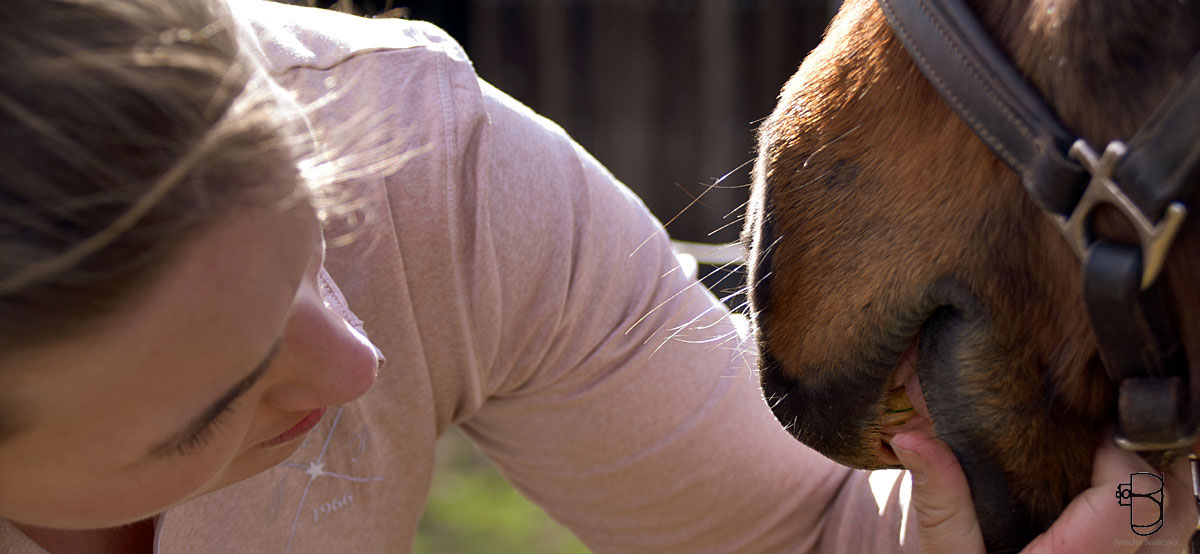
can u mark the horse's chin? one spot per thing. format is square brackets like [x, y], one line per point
[842, 420]
[883, 388]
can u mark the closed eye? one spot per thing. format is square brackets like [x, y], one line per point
[204, 426]
[202, 437]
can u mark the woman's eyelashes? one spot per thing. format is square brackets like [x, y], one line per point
[201, 438]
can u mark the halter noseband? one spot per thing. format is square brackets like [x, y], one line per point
[1146, 180]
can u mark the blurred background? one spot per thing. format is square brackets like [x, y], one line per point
[666, 94]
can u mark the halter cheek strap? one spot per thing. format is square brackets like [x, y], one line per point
[1146, 181]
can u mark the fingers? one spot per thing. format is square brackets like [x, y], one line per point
[940, 496]
[1095, 521]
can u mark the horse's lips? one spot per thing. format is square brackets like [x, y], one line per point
[912, 386]
[905, 376]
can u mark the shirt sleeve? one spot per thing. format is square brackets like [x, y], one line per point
[610, 388]
[526, 295]
[551, 321]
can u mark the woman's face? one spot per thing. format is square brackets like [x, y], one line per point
[193, 387]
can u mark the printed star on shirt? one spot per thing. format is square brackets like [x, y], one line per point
[315, 469]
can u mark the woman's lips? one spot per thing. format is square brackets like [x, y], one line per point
[298, 430]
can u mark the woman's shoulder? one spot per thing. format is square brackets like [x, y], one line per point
[287, 37]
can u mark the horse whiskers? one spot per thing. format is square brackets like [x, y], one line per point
[673, 296]
[682, 328]
[717, 338]
[661, 304]
[740, 210]
[670, 271]
[720, 339]
[695, 199]
[731, 172]
[741, 307]
[725, 226]
[693, 202]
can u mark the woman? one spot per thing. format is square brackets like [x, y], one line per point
[180, 372]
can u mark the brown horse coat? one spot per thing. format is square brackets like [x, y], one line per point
[876, 209]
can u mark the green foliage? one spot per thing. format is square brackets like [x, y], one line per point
[473, 510]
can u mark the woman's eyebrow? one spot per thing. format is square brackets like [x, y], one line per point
[205, 418]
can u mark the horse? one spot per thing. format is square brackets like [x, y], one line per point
[885, 238]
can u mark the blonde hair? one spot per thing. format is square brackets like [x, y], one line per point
[125, 128]
[128, 127]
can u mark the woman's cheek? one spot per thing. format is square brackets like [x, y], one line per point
[109, 500]
[182, 477]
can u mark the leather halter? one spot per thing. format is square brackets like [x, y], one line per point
[1146, 180]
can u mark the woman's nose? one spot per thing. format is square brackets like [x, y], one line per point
[380, 361]
[325, 361]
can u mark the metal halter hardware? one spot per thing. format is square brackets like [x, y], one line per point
[1145, 180]
[1152, 401]
[1155, 238]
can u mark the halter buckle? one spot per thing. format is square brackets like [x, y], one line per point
[1155, 238]
[1152, 416]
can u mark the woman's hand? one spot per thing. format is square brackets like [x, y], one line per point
[1092, 522]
